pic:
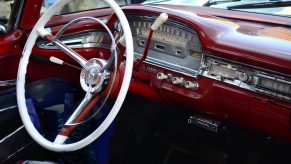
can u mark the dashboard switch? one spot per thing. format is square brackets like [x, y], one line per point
[178, 81]
[191, 85]
[162, 76]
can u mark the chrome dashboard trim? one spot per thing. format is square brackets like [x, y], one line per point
[166, 66]
[8, 108]
[18, 15]
[206, 54]
[11, 134]
[262, 81]
[6, 83]
[75, 42]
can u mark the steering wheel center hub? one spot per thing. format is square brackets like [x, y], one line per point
[94, 76]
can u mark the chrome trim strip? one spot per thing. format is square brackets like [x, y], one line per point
[17, 20]
[8, 108]
[170, 66]
[247, 65]
[77, 40]
[11, 134]
[23, 147]
[8, 83]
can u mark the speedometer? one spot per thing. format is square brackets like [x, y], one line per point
[163, 37]
[173, 46]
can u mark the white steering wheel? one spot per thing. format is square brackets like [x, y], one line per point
[88, 68]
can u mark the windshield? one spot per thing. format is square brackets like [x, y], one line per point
[272, 7]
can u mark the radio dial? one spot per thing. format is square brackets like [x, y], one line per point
[244, 77]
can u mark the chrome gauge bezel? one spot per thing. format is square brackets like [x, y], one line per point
[169, 65]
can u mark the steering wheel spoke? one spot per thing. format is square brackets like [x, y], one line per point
[78, 116]
[67, 50]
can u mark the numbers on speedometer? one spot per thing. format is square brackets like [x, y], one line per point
[173, 45]
[171, 36]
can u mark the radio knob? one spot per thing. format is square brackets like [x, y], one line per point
[244, 77]
[191, 85]
[177, 80]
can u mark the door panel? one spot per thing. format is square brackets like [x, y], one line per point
[10, 52]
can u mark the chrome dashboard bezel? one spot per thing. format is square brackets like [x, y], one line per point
[163, 64]
[69, 39]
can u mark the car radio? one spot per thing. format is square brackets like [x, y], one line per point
[248, 77]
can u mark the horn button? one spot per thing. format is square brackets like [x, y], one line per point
[93, 76]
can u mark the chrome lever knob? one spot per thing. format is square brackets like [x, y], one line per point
[162, 76]
[191, 85]
[178, 81]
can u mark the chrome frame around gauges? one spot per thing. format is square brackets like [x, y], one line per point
[174, 46]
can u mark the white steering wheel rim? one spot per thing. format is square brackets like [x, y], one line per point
[23, 68]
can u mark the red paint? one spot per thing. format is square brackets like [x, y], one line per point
[270, 117]
[88, 25]
[102, 14]
[10, 51]
[45, 70]
[221, 100]
[217, 35]
[145, 54]
[30, 14]
[226, 34]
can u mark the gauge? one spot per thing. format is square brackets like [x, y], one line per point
[174, 46]
[163, 37]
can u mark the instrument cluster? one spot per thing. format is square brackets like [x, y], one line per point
[174, 46]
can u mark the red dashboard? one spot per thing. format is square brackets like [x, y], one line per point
[233, 47]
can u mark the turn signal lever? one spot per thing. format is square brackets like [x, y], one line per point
[158, 22]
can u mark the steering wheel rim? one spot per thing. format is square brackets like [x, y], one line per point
[23, 69]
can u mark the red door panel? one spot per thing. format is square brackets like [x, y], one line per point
[10, 52]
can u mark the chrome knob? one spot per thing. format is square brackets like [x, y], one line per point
[244, 77]
[191, 85]
[177, 80]
[162, 76]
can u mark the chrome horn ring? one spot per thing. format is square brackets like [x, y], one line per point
[94, 76]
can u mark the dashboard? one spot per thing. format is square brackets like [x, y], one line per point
[177, 47]
[227, 68]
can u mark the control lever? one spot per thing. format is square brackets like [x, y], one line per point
[121, 47]
[158, 22]
[61, 62]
